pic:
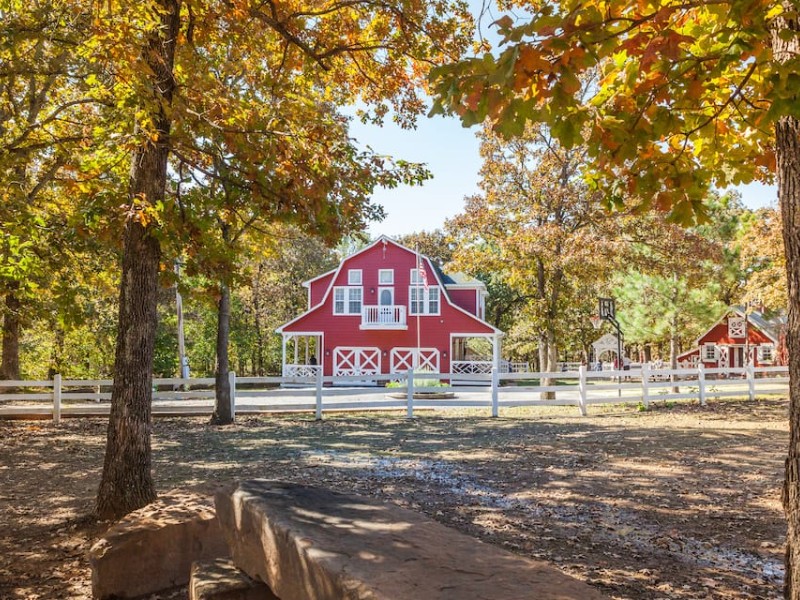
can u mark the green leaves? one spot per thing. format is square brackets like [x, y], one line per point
[685, 93]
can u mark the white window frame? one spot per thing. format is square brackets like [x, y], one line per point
[337, 291]
[714, 352]
[414, 277]
[438, 295]
[761, 351]
[388, 280]
[347, 292]
[355, 277]
[425, 295]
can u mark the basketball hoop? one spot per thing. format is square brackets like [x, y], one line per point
[596, 321]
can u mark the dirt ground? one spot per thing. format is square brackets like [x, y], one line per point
[675, 503]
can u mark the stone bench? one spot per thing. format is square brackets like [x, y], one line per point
[313, 544]
[153, 548]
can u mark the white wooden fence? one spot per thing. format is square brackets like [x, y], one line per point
[315, 393]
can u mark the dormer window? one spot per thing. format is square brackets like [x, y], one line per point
[354, 277]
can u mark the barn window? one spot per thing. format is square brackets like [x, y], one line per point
[433, 301]
[709, 352]
[354, 277]
[338, 300]
[347, 300]
[422, 301]
[736, 327]
[354, 300]
[766, 353]
[386, 276]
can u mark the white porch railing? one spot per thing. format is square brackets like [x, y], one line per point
[484, 367]
[301, 370]
[383, 317]
[471, 367]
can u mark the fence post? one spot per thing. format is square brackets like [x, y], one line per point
[701, 383]
[646, 385]
[751, 381]
[582, 389]
[318, 414]
[410, 392]
[495, 392]
[232, 385]
[57, 398]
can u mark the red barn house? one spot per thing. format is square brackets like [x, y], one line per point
[738, 339]
[386, 309]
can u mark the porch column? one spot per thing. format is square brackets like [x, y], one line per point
[283, 355]
[496, 350]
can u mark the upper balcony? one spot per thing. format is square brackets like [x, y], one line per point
[384, 317]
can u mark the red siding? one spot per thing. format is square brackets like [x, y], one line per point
[319, 287]
[466, 299]
[343, 330]
[719, 335]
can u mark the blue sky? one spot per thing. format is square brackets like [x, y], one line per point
[451, 154]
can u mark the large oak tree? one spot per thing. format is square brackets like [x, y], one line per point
[252, 83]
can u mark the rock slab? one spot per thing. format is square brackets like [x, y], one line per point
[153, 548]
[313, 544]
[219, 579]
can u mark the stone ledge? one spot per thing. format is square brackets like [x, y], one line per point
[153, 548]
[314, 544]
[219, 579]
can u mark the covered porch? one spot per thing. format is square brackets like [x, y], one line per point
[301, 354]
[477, 354]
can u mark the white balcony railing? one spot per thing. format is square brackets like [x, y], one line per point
[383, 317]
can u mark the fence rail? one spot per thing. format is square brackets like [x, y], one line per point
[311, 391]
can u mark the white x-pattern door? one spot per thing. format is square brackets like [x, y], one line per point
[356, 361]
[403, 359]
[724, 357]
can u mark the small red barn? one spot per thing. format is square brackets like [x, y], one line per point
[736, 340]
[386, 309]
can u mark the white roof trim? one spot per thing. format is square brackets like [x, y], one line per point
[465, 286]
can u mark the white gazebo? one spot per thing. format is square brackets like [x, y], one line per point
[606, 343]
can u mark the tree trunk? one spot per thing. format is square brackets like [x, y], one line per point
[542, 353]
[787, 150]
[57, 355]
[127, 482]
[222, 406]
[673, 351]
[259, 362]
[788, 147]
[12, 330]
[550, 362]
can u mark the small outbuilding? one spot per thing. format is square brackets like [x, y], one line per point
[738, 339]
